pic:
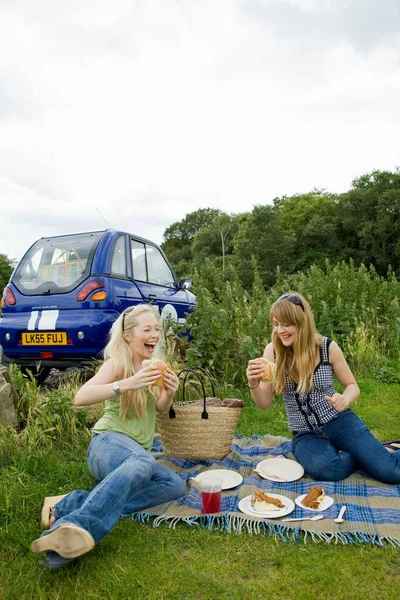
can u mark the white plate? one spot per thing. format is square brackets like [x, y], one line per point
[283, 468]
[245, 506]
[326, 503]
[230, 479]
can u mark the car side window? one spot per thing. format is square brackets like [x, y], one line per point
[149, 265]
[118, 262]
[158, 269]
[139, 260]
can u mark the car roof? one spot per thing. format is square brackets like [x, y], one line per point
[110, 230]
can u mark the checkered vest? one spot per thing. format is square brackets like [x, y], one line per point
[311, 410]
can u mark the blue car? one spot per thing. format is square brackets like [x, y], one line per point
[67, 291]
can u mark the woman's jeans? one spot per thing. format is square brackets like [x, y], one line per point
[130, 480]
[342, 446]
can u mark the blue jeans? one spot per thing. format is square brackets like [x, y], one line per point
[342, 446]
[130, 480]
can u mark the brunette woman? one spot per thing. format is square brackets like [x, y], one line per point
[330, 441]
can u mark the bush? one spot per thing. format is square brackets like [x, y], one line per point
[354, 306]
[387, 375]
[45, 415]
[228, 327]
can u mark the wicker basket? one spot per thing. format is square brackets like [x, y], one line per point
[189, 432]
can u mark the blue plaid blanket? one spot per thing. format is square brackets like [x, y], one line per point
[372, 515]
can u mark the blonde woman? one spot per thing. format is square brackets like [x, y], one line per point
[330, 441]
[119, 453]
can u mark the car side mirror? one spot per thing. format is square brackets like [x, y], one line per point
[186, 284]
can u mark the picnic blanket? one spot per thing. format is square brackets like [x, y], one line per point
[372, 515]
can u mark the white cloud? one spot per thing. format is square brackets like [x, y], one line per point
[146, 111]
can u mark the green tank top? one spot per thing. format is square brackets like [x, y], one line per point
[141, 430]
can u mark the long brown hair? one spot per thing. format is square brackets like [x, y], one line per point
[118, 349]
[298, 360]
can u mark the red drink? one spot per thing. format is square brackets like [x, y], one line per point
[211, 502]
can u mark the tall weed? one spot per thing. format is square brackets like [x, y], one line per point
[44, 416]
[353, 305]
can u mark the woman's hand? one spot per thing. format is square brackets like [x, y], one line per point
[171, 381]
[171, 384]
[143, 378]
[254, 372]
[338, 401]
[351, 391]
[261, 392]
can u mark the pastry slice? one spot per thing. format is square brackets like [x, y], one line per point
[314, 498]
[261, 502]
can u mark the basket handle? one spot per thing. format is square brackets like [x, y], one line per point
[207, 374]
[204, 414]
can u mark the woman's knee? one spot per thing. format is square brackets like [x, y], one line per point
[177, 486]
[170, 480]
[174, 487]
[111, 450]
[137, 468]
[386, 474]
[389, 478]
[328, 474]
[327, 469]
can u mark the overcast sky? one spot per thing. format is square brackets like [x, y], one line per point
[144, 110]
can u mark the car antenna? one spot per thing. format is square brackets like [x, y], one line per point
[102, 217]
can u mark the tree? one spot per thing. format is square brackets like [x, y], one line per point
[7, 266]
[179, 236]
[216, 240]
[313, 220]
[370, 216]
[262, 235]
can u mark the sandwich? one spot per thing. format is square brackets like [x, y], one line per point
[269, 369]
[261, 502]
[314, 498]
[157, 364]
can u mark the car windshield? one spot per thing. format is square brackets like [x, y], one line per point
[56, 265]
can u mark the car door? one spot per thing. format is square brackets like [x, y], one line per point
[157, 281]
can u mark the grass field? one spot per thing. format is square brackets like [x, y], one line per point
[137, 561]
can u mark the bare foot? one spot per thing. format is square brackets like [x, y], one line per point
[52, 520]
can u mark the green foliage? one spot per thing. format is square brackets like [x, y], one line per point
[353, 305]
[312, 220]
[178, 238]
[387, 374]
[7, 265]
[264, 237]
[216, 241]
[296, 232]
[370, 220]
[173, 560]
[45, 416]
[228, 325]
[346, 298]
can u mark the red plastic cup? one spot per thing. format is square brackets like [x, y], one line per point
[211, 495]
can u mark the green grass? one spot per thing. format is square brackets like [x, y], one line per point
[137, 561]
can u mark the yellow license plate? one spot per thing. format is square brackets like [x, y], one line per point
[44, 338]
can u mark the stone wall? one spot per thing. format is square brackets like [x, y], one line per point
[8, 400]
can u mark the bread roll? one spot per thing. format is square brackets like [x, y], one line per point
[269, 369]
[158, 364]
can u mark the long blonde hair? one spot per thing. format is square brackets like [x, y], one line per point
[118, 350]
[297, 361]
